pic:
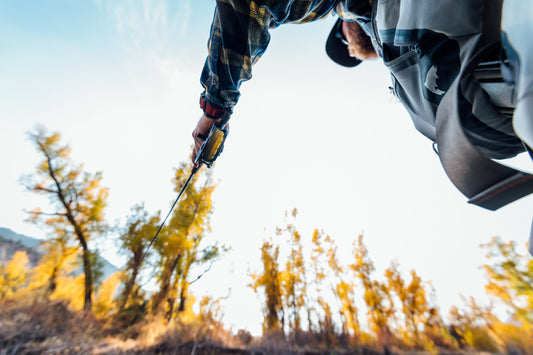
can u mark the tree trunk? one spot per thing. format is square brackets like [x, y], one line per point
[52, 281]
[183, 295]
[165, 284]
[131, 281]
[87, 304]
[129, 288]
[171, 300]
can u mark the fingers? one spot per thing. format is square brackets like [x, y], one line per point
[199, 135]
[198, 140]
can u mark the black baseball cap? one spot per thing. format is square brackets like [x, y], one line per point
[337, 48]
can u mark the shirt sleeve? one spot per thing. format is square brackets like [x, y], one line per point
[239, 36]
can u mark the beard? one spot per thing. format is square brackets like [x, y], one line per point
[359, 43]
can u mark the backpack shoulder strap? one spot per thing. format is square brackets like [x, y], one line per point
[485, 182]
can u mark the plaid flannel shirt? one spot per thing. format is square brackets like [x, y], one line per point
[240, 35]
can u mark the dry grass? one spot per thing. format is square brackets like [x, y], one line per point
[52, 328]
[30, 328]
[27, 328]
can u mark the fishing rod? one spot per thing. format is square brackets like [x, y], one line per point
[208, 153]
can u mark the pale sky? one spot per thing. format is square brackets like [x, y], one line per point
[120, 81]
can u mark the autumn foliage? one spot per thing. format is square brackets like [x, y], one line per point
[313, 298]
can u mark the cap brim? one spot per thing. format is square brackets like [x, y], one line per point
[337, 50]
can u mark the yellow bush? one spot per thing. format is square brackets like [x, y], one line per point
[514, 338]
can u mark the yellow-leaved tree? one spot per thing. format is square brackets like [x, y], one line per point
[182, 245]
[293, 278]
[511, 282]
[511, 279]
[104, 303]
[344, 288]
[135, 238]
[57, 262]
[376, 294]
[422, 325]
[14, 276]
[77, 201]
[269, 280]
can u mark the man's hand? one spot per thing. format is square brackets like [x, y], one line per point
[200, 134]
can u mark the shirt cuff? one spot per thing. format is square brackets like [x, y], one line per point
[211, 111]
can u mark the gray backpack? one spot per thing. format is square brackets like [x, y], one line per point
[458, 78]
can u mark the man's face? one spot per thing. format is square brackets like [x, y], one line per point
[359, 44]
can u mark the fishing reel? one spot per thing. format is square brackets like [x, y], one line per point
[208, 153]
[213, 144]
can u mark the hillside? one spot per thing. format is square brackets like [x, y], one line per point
[9, 247]
[11, 242]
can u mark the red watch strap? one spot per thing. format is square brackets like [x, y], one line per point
[210, 111]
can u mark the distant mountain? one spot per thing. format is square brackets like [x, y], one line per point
[11, 242]
[8, 234]
[9, 246]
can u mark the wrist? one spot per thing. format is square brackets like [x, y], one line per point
[212, 112]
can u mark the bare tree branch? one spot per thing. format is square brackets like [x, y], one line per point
[45, 213]
[202, 274]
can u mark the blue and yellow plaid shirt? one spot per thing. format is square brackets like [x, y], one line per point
[240, 35]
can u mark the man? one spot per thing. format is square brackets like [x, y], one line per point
[435, 53]
[239, 36]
